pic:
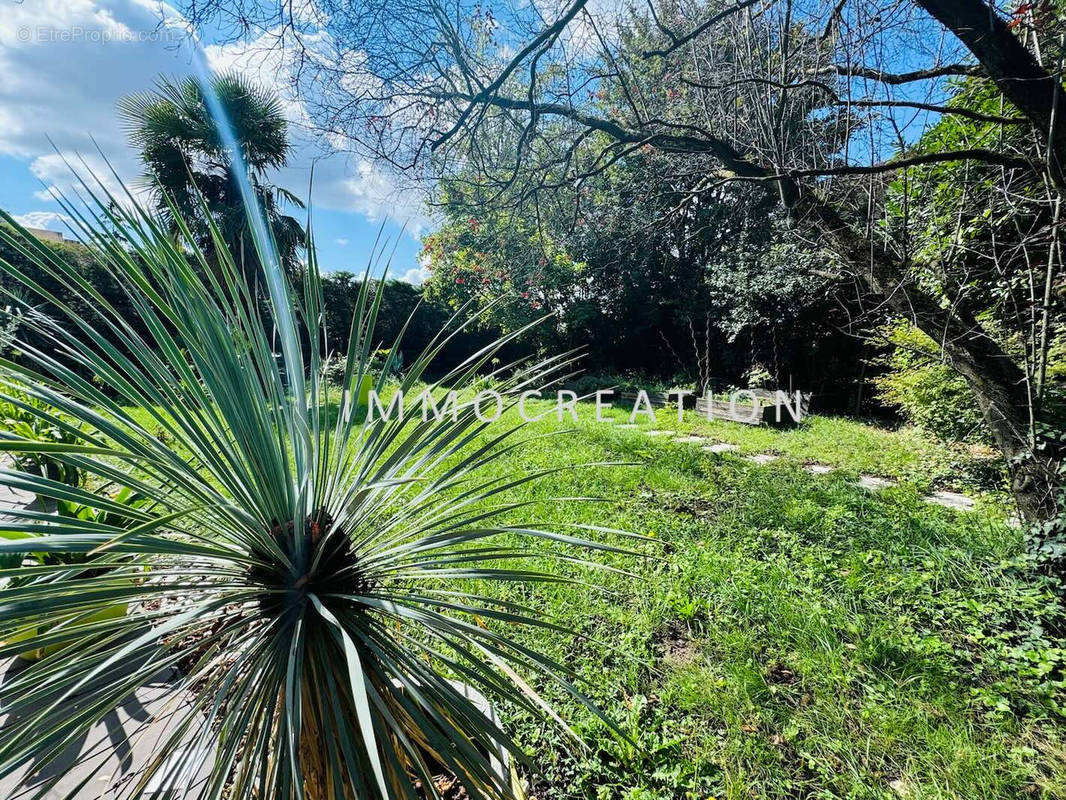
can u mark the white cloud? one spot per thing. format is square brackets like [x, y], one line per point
[341, 241]
[65, 63]
[341, 182]
[49, 220]
[416, 276]
[64, 173]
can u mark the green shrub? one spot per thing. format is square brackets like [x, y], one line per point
[926, 390]
[588, 383]
[26, 417]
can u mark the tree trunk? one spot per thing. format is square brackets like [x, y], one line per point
[1040, 96]
[317, 784]
[313, 768]
[997, 382]
[1015, 70]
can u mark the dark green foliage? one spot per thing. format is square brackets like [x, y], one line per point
[676, 298]
[404, 308]
[399, 301]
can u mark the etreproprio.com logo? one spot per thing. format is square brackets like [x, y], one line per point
[51, 34]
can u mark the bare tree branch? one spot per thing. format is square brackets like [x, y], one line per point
[956, 111]
[737, 162]
[539, 43]
[973, 154]
[899, 78]
[1017, 73]
[959, 111]
[681, 41]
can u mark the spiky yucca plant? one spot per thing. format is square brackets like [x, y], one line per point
[307, 570]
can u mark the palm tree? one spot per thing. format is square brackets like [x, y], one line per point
[188, 165]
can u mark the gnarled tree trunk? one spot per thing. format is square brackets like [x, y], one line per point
[1013, 68]
[998, 383]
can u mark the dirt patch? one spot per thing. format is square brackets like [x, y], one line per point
[676, 647]
[780, 675]
[447, 787]
[690, 505]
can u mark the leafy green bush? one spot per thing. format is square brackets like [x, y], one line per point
[333, 367]
[1047, 538]
[588, 383]
[928, 392]
[25, 417]
[759, 377]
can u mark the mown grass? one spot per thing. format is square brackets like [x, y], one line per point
[793, 635]
[787, 635]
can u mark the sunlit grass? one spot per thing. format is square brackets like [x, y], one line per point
[797, 635]
[793, 634]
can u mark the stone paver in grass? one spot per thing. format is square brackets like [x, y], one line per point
[762, 458]
[626, 426]
[818, 469]
[690, 439]
[659, 433]
[959, 502]
[116, 750]
[721, 447]
[875, 482]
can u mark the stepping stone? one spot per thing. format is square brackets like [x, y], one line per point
[959, 502]
[874, 482]
[628, 426]
[659, 433]
[818, 469]
[721, 447]
[762, 458]
[689, 439]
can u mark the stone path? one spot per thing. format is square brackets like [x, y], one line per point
[818, 469]
[12, 498]
[114, 752]
[102, 763]
[721, 447]
[959, 502]
[762, 458]
[872, 483]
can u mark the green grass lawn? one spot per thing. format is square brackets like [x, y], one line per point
[794, 635]
[789, 635]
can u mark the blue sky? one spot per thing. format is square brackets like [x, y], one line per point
[65, 63]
